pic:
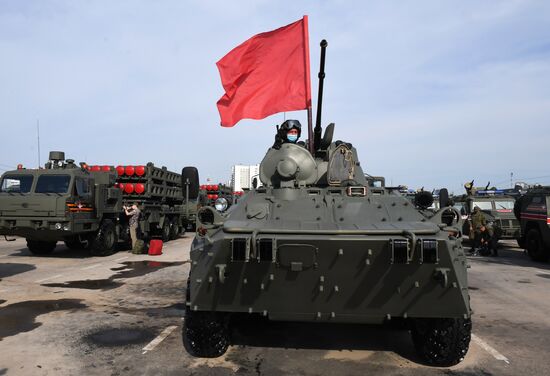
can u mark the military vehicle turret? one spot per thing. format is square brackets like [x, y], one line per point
[318, 243]
[82, 205]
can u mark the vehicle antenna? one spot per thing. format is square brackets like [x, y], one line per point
[38, 137]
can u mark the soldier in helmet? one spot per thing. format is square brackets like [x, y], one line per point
[288, 132]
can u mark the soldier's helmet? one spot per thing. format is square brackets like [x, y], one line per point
[288, 125]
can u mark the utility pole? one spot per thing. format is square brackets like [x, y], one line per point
[511, 180]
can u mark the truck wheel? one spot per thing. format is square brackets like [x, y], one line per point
[166, 231]
[442, 342]
[205, 334]
[38, 247]
[521, 242]
[535, 247]
[104, 243]
[75, 243]
[174, 229]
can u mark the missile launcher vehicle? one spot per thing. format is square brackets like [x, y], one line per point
[82, 205]
[318, 243]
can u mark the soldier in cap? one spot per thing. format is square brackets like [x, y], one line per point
[482, 234]
[133, 213]
[288, 132]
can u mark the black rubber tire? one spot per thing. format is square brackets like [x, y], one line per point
[205, 334]
[535, 246]
[442, 342]
[38, 247]
[174, 229]
[105, 241]
[166, 231]
[75, 243]
[521, 242]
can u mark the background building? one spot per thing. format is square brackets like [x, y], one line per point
[242, 175]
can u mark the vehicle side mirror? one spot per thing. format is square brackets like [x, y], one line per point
[190, 176]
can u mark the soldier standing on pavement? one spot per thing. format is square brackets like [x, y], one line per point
[133, 212]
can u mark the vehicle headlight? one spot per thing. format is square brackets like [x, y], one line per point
[66, 228]
[58, 226]
[221, 204]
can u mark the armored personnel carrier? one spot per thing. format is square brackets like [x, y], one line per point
[318, 243]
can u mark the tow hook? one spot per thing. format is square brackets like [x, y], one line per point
[221, 272]
[441, 275]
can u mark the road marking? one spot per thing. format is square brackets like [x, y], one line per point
[485, 346]
[543, 271]
[47, 279]
[91, 266]
[161, 337]
[122, 258]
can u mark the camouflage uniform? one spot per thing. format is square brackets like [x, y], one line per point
[134, 223]
[478, 222]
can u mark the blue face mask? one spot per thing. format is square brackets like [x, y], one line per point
[292, 138]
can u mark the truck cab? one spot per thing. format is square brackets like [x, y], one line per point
[60, 202]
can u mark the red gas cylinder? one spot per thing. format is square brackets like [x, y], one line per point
[106, 168]
[129, 188]
[215, 197]
[121, 186]
[140, 170]
[139, 188]
[215, 187]
[155, 247]
[202, 187]
[120, 170]
[129, 170]
[96, 168]
[209, 197]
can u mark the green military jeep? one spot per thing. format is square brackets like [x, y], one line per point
[497, 206]
[531, 210]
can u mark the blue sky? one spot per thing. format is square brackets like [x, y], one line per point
[432, 93]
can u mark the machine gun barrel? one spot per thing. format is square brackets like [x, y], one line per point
[317, 131]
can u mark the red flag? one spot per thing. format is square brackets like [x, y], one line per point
[268, 73]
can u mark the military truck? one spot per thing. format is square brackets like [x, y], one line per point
[497, 206]
[532, 212]
[318, 243]
[83, 205]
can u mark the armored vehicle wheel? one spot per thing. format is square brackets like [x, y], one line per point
[205, 334]
[535, 247]
[166, 231]
[442, 342]
[174, 229]
[104, 243]
[38, 247]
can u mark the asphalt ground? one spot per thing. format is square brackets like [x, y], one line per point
[71, 314]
